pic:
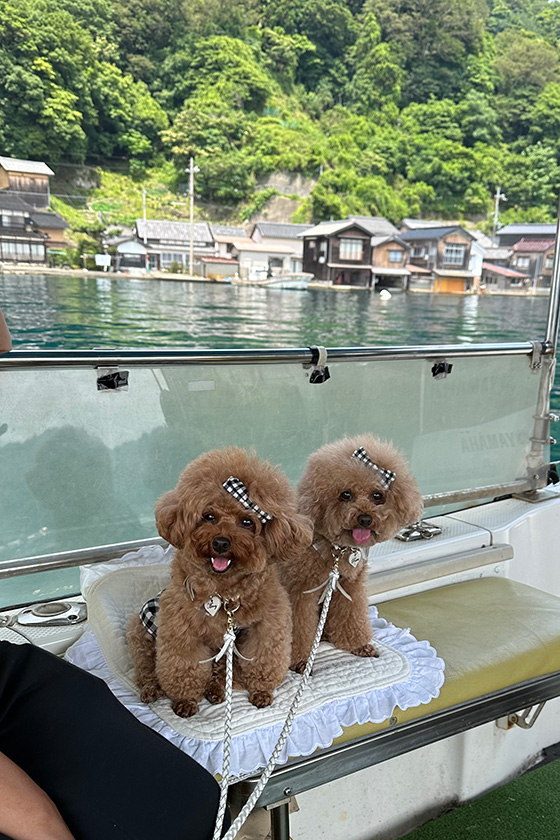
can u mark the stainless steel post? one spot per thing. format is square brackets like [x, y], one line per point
[554, 299]
[280, 822]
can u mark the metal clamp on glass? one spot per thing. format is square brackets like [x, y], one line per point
[320, 372]
[112, 379]
[441, 370]
[536, 356]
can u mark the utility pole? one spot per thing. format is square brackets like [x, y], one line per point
[192, 170]
[146, 257]
[499, 196]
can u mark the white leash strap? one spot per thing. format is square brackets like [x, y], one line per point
[228, 648]
[331, 585]
[229, 642]
[326, 584]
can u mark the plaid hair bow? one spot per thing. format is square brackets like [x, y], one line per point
[387, 477]
[238, 490]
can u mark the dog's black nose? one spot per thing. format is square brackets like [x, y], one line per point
[220, 545]
[364, 519]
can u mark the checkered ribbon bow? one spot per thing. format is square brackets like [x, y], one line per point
[387, 477]
[238, 490]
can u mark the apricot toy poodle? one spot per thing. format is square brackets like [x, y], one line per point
[233, 519]
[357, 491]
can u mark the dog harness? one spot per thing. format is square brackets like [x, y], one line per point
[148, 614]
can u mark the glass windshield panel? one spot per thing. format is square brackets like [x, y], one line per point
[82, 467]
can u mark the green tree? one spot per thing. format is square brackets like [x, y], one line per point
[433, 39]
[524, 64]
[377, 76]
[478, 119]
[544, 116]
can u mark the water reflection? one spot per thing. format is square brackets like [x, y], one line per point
[89, 312]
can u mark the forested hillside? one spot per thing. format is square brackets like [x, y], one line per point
[396, 107]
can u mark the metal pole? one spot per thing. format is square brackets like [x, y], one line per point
[554, 299]
[192, 170]
[280, 822]
[303, 355]
[499, 195]
[191, 195]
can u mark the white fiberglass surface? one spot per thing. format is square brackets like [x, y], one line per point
[82, 467]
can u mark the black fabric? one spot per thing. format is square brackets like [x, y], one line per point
[110, 776]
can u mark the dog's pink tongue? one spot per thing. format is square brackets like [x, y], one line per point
[361, 535]
[220, 564]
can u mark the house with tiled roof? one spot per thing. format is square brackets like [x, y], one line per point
[499, 278]
[445, 252]
[364, 251]
[53, 226]
[27, 179]
[535, 257]
[20, 240]
[280, 234]
[259, 260]
[510, 234]
[168, 244]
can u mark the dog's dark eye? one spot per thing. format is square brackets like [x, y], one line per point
[247, 523]
[378, 498]
[209, 517]
[346, 496]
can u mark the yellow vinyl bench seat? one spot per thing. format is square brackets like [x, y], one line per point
[500, 641]
[491, 633]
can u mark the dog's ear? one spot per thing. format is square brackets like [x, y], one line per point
[169, 519]
[407, 505]
[288, 536]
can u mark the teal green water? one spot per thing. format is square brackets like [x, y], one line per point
[57, 311]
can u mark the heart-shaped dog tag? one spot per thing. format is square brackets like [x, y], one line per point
[212, 605]
[354, 557]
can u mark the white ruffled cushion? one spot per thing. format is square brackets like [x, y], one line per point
[343, 690]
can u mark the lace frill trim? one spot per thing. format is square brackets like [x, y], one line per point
[312, 730]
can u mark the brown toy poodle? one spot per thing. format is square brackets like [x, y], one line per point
[358, 492]
[231, 517]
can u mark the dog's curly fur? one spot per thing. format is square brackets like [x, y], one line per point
[191, 517]
[337, 492]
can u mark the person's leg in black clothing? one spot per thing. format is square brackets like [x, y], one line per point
[109, 775]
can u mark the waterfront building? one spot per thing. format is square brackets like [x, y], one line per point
[535, 257]
[280, 234]
[363, 251]
[510, 234]
[26, 179]
[21, 240]
[445, 252]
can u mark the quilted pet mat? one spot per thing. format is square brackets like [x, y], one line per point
[343, 689]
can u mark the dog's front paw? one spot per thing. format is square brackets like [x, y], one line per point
[185, 708]
[299, 667]
[151, 692]
[215, 693]
[365, 650]
[260, 699]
